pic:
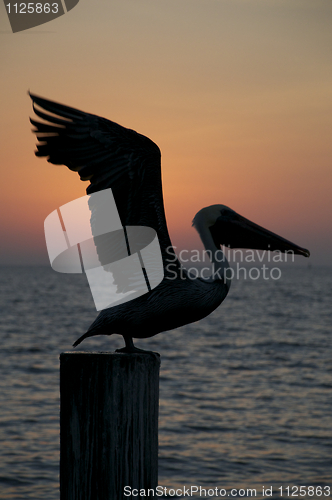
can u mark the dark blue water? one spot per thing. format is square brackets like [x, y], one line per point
[245, 395]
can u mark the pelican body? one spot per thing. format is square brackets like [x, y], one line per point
[112, 156]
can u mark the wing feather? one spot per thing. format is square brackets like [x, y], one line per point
[110, 156]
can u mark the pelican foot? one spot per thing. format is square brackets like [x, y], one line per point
[132, 350]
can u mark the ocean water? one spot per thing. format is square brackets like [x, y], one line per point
[245, 394]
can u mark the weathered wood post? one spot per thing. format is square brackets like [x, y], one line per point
[108, 424]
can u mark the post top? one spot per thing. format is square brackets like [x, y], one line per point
[110, 355]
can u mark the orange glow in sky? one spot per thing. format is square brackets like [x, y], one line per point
[236, 93]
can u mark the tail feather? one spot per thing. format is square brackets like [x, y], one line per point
[94, 330]
[102, 325]
[83, 337]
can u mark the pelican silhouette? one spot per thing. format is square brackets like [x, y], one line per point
[111, 156]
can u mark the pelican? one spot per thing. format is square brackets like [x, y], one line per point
[112, 156]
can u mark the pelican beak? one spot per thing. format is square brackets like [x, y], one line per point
[239, 232]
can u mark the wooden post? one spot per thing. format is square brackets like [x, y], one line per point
[108, 424]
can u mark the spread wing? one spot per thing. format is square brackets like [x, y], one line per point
[109, 156]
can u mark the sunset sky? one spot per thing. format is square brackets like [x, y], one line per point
[236, 93]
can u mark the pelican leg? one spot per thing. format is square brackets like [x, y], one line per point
[130, 348]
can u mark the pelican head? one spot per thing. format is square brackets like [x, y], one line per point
[232, 230]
